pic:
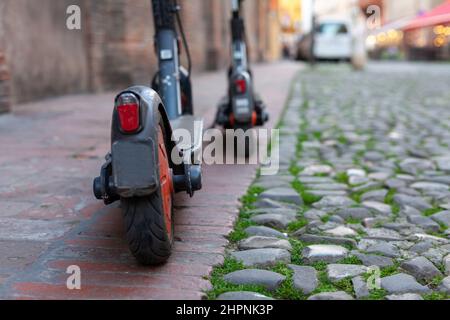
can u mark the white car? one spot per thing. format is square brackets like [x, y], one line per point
[333, 40]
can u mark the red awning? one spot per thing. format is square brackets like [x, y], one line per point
[439, 15]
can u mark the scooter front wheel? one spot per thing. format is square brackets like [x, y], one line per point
[149, 220]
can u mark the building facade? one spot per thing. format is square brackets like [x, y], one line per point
[394, 39]
[114, 47]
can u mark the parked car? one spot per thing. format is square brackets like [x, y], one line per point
[332, 42]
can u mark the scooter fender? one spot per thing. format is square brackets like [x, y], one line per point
[134, 157]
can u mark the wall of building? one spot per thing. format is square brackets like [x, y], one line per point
[44, 58]
[114, 48]
[5, 94]
[119, 42]
[5, 85]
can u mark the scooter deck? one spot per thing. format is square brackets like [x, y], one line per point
[225, 101]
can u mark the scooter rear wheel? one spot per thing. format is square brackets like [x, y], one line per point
[149, 220]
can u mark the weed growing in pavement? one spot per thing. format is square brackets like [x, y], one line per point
[351, 220]
[342, 177]
[239, 233]
[436, 296]
[294, 169]
[443, 227]
[251, 197]
[302, 137]
[377, 294]
[350, 260]
[345, 285]
[296, 225]
[319, 266]
[342, 140]
[371, 144]
[296, 254]
[437, 234]
[389, 200]
[431, 211]
[317, 135]
[390, 271]
[287, 291]
[435, 282]
[243, 221]
[326, 285]
[308, 198]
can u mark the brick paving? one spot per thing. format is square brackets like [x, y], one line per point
[49, 220]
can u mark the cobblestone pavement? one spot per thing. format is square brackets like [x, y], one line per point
[51, 150]
[361, 207]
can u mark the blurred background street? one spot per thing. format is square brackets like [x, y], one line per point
[40, 57]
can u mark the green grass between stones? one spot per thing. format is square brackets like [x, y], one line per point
[377, 294]
[297, 248]
[296, 225]
[350, 260]
[342, 177]
[430, 212]
[250, 197]
[308, 198]
[239, 233]
[351, 220]
[389, 200]
[243, 221]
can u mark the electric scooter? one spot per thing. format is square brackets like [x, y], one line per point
[140, 171]
[241, 108]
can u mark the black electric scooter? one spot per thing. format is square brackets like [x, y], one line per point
[241, 108]
[140, 171]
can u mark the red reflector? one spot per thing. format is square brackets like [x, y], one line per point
[129, 117]
[241, 85]
[128, 110]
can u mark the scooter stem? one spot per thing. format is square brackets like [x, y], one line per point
[236, 5]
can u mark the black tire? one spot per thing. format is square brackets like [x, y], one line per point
[146, 232]
[145, 229]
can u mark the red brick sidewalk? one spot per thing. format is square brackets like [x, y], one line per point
[49, 220]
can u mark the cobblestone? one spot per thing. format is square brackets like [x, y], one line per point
[305, 278]
[268, 279]
[371, 164]
[421, 268]
[258, 242]
[262, 257]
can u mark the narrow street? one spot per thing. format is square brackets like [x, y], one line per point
[364, 185]
[49, 220]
